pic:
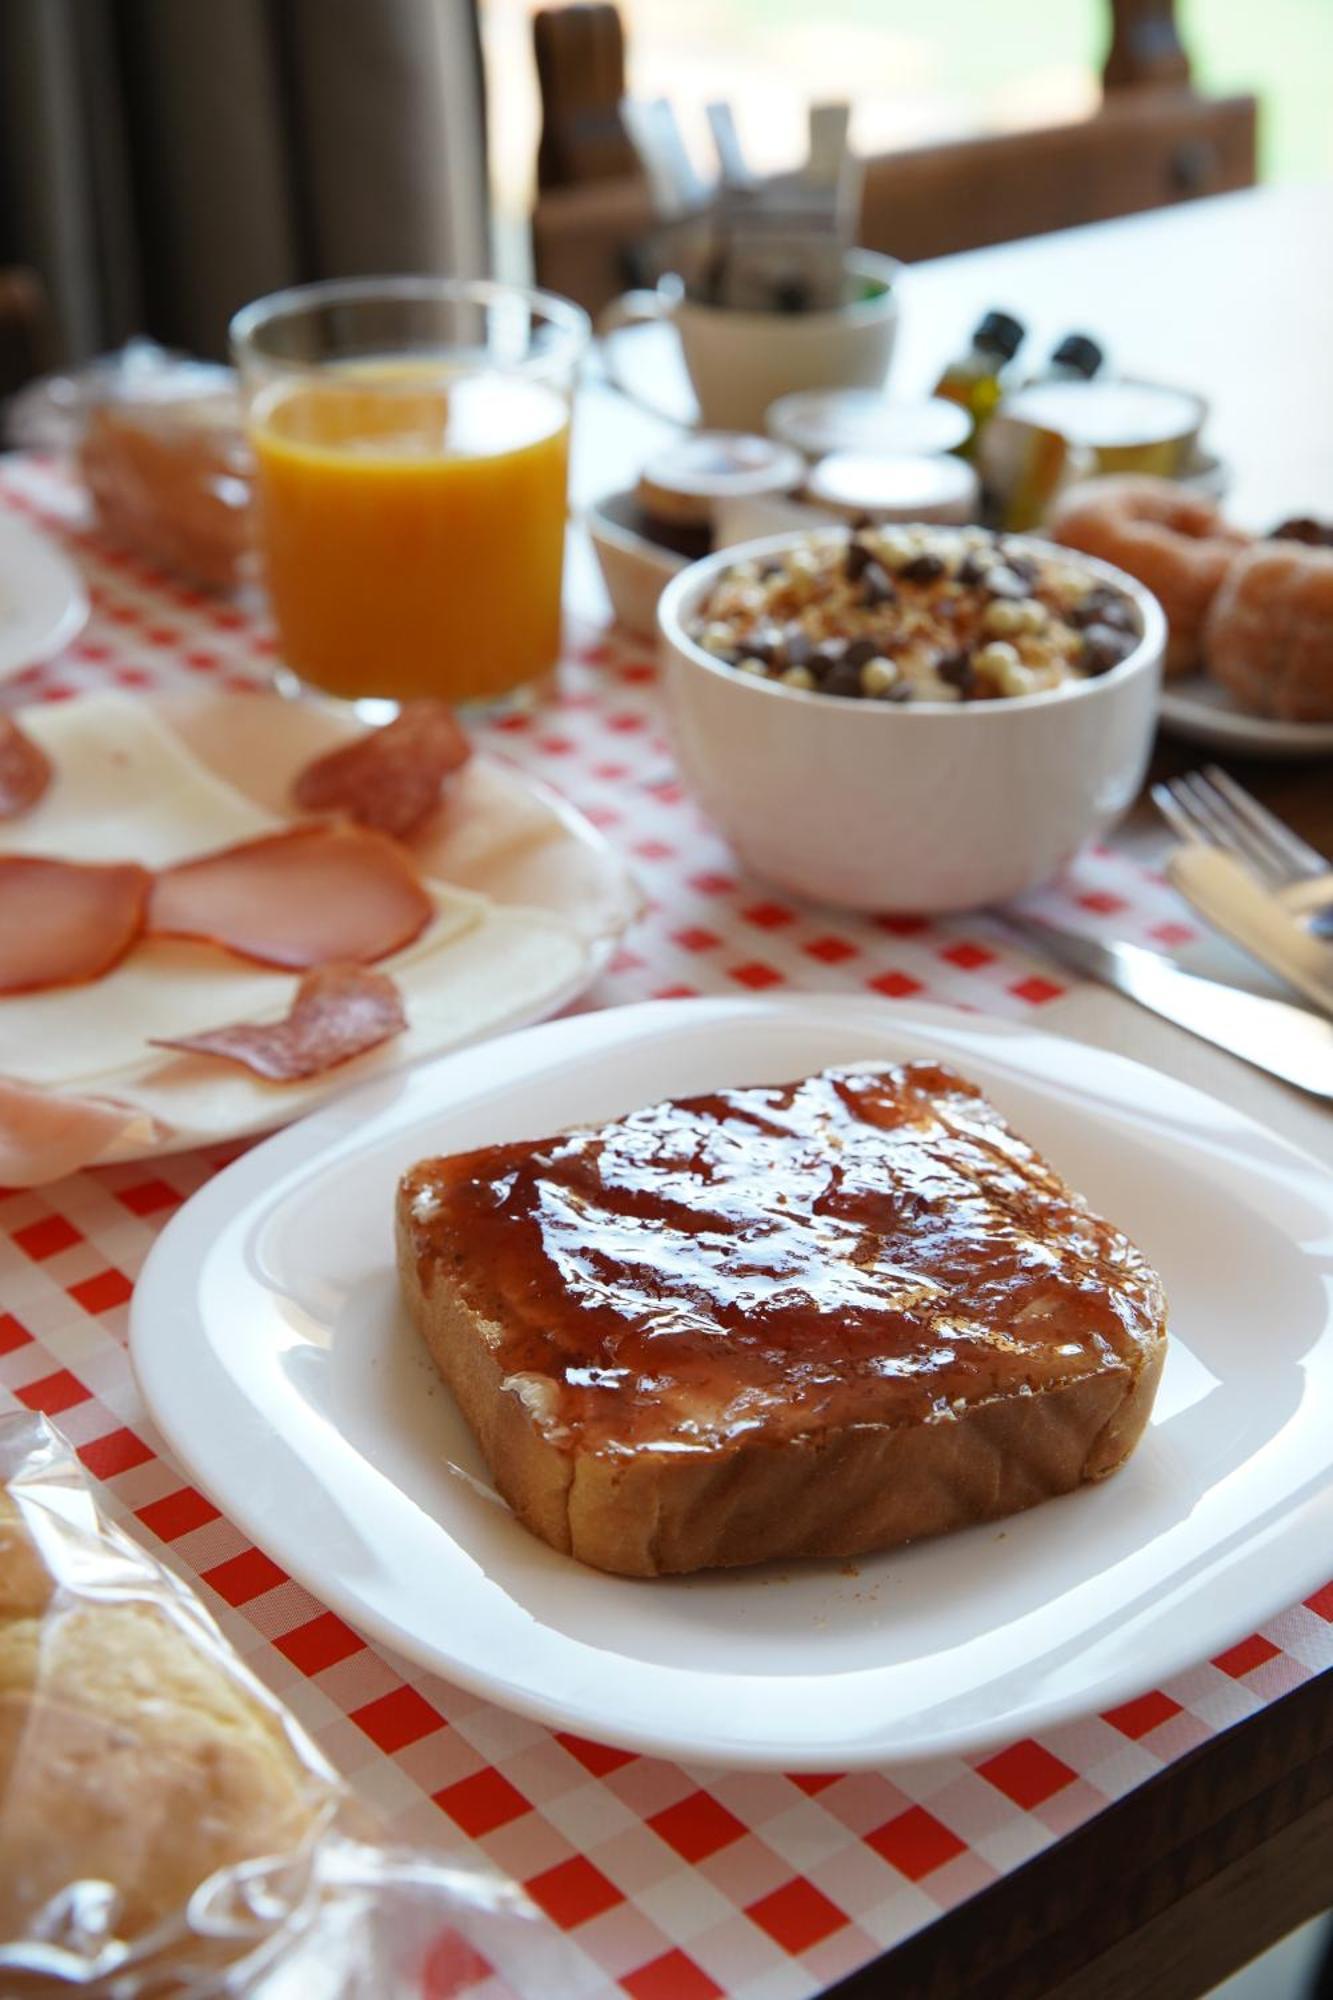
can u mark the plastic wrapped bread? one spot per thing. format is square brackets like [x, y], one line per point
[160, 444]
[169, 472]
[166, 1827]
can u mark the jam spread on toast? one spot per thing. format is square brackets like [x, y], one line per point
[864, 1244]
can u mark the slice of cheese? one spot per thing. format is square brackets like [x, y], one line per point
[124, 788]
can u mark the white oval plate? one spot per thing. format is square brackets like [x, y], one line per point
[1199, 710]
[273, 1352]
[43, 604]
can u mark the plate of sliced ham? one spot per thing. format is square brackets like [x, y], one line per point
[218, 909]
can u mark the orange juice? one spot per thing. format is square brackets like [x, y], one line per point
[413, 525]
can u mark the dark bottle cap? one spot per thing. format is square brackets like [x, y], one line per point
[1080, 352]
[999, 333]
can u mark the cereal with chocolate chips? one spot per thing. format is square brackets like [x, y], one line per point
[915, 614]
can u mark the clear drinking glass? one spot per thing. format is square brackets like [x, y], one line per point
[411, 442]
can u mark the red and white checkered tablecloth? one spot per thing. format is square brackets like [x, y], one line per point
[672, 1883]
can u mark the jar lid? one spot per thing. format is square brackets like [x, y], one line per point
[895, 488]
[1108, 413]
[681, 483]
[818, 421]
[1080, 352]
[999, 333]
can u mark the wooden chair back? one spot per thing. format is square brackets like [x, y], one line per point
[1153, 141]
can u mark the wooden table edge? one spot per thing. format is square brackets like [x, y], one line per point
[1160, 1895]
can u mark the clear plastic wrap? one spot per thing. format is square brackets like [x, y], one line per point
[50, 413]
[159, 441]
[167, 1827]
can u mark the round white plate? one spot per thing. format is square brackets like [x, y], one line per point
[274, 1354]
[43, 604]
[1201, 711]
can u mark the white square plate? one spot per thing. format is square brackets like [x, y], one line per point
[275, 1355]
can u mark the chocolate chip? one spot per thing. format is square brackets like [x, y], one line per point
[1103, 606]
[765, 644]
[1103, 648]
[828, 653]
[1119, 614]
[1304, 528]
[862, 650]
[957, 670]
[858, 560]
[923, 568]
[876, 588]
[844, 679]
[797, 646]
[971, 569]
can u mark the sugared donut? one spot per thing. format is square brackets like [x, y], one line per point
[1177, 545]
[1269, 635]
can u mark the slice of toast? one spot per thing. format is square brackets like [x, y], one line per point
[811, 1319]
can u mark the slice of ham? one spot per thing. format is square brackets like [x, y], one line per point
[65, 922]
[307, 896]
[46, 1134]
[340, 1011]
[25, 770]
[390, 778]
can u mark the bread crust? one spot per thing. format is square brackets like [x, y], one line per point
[840, 1490]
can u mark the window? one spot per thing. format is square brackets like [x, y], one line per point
[916, 70]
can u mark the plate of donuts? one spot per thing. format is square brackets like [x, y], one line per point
[1249, 662]
[1202, 711]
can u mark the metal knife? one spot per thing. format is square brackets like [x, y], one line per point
[1286, 1041]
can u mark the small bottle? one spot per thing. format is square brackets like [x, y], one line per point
[1077, 359]
[975, 380]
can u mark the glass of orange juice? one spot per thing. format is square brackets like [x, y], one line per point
[411, 442]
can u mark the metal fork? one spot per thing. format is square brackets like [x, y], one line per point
[1209, 806]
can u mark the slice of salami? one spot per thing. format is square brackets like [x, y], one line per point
[339, 1012]
[65, 922]
[25, 770]
[390, 778]
[310, 895]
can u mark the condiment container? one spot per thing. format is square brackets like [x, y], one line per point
[1044, 437]
[816, 422]
[867, 486]
[975, 380]
[1077, 358]
[679, 486]
[1128, 426]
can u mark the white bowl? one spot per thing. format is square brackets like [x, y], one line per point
[634, 569]
[927, 806]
